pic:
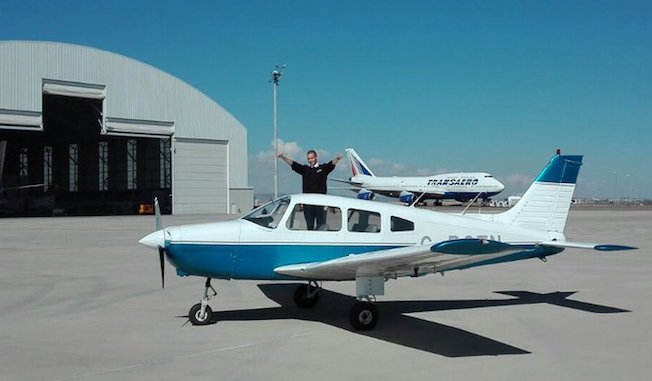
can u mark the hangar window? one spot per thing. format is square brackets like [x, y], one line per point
[132, 164]
[73, 168]
[363, 221]
[399, 224]
[165, 164]
[23, 163]
[315, 217]
[47, 168]
[103, 166]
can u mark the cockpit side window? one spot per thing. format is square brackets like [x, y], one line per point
[363, 221]
[270, 214]
[399, 224]
[315, 217]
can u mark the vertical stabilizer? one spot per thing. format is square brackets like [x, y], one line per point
[546, 203]
[358, 166]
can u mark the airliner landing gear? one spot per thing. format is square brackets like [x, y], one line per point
[200, 313]
[307, 295]
[363, 316]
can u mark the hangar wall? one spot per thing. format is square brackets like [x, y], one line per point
[134, 93]
[200, 165]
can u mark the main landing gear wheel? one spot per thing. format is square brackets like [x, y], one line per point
[306, 296]
[195, 316]
[363, 316]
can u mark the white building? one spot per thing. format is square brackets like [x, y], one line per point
[100, 133]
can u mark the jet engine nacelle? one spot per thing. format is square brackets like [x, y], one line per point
[406, 197]
[366, 194]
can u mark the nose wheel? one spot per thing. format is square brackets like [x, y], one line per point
[197, 317]
[200, 313]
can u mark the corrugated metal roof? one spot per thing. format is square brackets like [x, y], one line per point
[134, 90]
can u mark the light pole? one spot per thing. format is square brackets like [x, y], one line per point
[276, 76]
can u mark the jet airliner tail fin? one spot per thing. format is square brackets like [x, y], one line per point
[358, 166]
[545, 205]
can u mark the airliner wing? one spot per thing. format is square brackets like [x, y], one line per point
[356, 183]
[442, 256]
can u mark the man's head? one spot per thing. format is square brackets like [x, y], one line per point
[312, 157]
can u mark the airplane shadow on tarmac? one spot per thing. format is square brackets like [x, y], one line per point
[395, 327]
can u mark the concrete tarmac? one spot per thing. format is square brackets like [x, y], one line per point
[80, 299]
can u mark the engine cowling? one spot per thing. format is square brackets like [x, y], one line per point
[406, 197]
[366, 194]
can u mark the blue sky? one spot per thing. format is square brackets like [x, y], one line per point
[416, 87]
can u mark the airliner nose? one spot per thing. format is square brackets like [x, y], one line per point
[500, 185]
[154, 240]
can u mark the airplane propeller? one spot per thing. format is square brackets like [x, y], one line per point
[161, 253]
[161, 250]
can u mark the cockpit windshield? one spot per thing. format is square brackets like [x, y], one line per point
[270, 214]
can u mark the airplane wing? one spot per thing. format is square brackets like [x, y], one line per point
[442, 256]
[355, 183]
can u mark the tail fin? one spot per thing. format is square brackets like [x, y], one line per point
[358, 166]
[546, 203]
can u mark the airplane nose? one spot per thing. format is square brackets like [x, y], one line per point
[154, 240]
[501, 186]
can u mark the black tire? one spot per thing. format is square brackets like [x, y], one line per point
[363, 316]
[301, 298]
[195, 311]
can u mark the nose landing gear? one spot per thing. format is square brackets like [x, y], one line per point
[200, 313]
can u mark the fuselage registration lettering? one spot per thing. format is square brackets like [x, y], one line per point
[490, 237]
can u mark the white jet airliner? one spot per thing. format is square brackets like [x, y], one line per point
[368, 242]
[463, 186]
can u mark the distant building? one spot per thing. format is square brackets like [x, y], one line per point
[95, 132]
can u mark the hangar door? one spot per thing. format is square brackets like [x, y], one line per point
[200, 176]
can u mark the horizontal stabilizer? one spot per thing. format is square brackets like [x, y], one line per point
[614, 247]
[587, 245]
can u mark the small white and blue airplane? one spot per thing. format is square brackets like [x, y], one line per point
[462, 186]
[368, 242]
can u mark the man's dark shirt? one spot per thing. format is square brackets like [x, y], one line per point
[314, 178]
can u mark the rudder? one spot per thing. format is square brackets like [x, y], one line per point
[546, 203]
[358, 166]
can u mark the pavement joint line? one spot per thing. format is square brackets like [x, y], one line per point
[182, 357]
